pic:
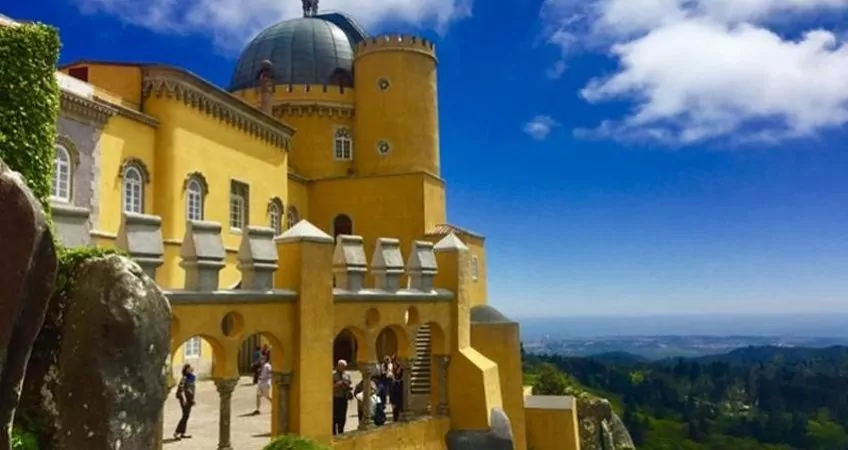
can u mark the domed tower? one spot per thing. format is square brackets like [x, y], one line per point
[397, 119]
[311, 74]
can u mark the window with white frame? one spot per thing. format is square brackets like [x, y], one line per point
[292, 217]
[133, 190]
[194, 200]
[62, 175]
[192, 347]
[275, 216]
[239, 201]
[343, 149]
[475, 268]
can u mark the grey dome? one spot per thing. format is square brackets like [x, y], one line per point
[488, 314]
[306, 50]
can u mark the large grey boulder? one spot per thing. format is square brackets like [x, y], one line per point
[28, 267]
[498, 437]
[600, 426]
[96, 380]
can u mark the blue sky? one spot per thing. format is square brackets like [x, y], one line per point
[621, 156]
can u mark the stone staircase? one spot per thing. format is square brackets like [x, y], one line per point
[419, 383]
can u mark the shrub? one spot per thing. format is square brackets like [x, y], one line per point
[292, 442]
[29, 103]
[23, 440]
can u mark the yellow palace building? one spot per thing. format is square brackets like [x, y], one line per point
[323, 131]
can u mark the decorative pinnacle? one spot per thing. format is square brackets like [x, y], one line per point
[310, 8]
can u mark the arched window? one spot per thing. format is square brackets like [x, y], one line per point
[343, 149]
[475, 268]
[194, 200]
[133, 190]
[275, 215]
[292, 217]
[62, 175]
[342, 225]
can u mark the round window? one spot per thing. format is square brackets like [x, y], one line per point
[383, 148]
[383, 84]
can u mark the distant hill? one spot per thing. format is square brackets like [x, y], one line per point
[763, 354]
[619, 358]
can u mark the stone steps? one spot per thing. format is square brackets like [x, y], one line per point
[419, 383]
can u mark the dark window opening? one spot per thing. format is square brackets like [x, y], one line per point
[342, 225]
[341, 78]
[80, 73]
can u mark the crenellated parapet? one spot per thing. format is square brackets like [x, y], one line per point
[140, 236]
[394, 43]
[257, 258]
[391, 275]
[202, 255]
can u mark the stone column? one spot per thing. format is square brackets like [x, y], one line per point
[406, 414]
[225, 391]
[367, 370]
[442, 407]
[282, 382]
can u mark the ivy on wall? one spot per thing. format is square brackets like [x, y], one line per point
[29, 103]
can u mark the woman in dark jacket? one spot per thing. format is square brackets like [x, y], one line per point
[185, 394]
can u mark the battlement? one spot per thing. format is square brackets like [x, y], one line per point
[396, 42]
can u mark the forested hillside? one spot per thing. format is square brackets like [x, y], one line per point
[765, 398]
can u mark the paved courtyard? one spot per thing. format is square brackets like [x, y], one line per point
[248, 432]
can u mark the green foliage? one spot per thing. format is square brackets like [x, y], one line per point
[292, 442]
[29, 103]
[758, 398]
[23, 440]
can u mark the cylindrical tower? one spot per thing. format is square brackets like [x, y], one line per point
[397, 114]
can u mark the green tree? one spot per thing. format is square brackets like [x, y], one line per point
[550, 381]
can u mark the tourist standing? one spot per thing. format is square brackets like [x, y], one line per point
[257, 364]
[341, 396]
[185, 394]
[397, 390]
[263, 388]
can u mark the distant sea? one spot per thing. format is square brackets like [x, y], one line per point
[795, 325]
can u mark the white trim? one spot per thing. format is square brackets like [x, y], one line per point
[132, 190]
[62, 161]
[194, 194]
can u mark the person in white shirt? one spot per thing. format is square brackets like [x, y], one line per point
[263, 387]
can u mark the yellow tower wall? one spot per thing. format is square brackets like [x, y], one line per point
[479, 288]
[299, 196]
[378, 207]
[405, 114]
[500, 343]
[316, 112]
[190, 141]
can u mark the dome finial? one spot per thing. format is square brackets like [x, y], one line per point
[310, 8]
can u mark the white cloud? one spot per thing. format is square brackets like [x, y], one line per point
[232, 22]
[556, 71]
[706, 70]
[540, 127]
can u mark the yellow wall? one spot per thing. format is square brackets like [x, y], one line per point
[423, 434]
[405, 115]
[122, 80]
[299, 197]
[389, 206]
[479, 286]
[122, 139]
[190, 141]
[552, 429]
[435, 205]
[501, 344]
[312, 154]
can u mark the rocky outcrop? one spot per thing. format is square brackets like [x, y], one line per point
[499, 437]
[600, 426]
[28, 267]
[96, 379]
